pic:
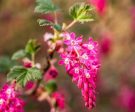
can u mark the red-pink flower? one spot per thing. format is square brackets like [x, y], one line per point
[30, 85]
[133, 18]
[9, 101]
[27, 63]
[48, 17]
[81, 62]
[100, 5]
[60, 99]
[105, 44]
[73, 42]
[52, 73]
[67, 60]
[126, 98]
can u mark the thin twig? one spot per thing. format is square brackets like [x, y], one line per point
[55, 18]
[33, 59]
[70, 25]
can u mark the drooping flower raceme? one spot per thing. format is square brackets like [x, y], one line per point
[9, 101]
[81, 62]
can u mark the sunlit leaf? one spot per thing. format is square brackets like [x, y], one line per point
[82, 12]
[32, 46]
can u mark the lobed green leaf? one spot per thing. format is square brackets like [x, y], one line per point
[23, 75]
[45, 6]
[19, 54]
[5, 64]
[43, 22]
[32, 46]
[82, 12]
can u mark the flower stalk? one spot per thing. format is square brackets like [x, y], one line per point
[70, 25]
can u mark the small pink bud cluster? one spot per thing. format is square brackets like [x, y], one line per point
[27, 63]
[81, 62]
[60, 99]
[30, 85]
[51, 74]
[9, 102]
[53, 42]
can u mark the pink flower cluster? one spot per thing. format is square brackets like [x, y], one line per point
[9, 102]
[81, 62]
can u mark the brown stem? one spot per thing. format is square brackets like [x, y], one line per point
[33, 59]
[37, 85]
[45, 70]
[70, 25]
[51, 101]
[55, 18]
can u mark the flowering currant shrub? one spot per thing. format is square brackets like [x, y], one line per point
[79, 56]
[81, 62]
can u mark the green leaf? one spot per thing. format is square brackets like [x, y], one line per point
[43, 22]
[32, 46]
[57, 27]
[19, 54]
[23, 75]
[45, 6]
[82, 12]
[5, 64]
[51, 86]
